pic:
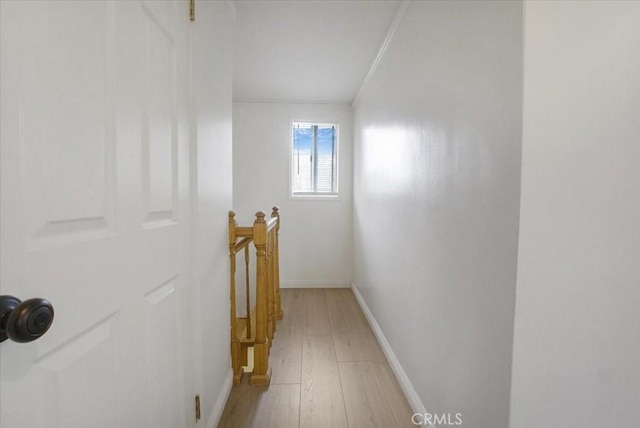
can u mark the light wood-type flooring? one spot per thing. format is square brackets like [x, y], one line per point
[328, 371]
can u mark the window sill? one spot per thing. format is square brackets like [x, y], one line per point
[334, 197]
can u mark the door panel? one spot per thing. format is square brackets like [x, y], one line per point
[163, 367]
[77, 404]
[68, 184]
[160, 133]
[95, 212]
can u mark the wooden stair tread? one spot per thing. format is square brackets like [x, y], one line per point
[242, 329]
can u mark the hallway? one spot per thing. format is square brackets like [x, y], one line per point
[327, 370]
[459, 189]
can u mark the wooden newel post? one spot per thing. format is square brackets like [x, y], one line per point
[235, 341]
[276, 262]
[261, 371]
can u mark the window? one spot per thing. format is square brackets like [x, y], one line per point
[315, 159]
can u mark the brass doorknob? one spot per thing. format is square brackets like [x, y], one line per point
[24, 321]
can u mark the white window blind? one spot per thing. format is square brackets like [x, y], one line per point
[315, 159]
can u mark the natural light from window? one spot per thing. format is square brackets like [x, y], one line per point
[314, 159]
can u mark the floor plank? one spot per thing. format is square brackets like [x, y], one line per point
[316, 316]
[400, 408]
[240, 408]
[356, 346]
[364, 398]
[278, 407]
[292, 306]
[344, 312]
[286, 356]
[321, 403]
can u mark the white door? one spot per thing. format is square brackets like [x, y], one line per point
[95, 188]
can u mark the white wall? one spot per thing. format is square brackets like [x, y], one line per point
[436, 185]
[576, 358]
[315, 237]
[211, 133]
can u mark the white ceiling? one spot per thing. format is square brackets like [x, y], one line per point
[303, 50]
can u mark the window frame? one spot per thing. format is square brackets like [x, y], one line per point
[314, 196]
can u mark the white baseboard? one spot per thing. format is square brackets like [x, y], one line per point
[314, 284]
[221, 401]
[407, 387]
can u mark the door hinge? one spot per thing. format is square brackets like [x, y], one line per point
[192, 10]
[198, 415]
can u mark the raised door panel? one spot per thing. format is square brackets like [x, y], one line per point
[160, 134]
[74, 385]
[66, 126]
[77, 381]
[163, 355]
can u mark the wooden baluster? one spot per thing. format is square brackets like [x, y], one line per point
[247, 288]
[273, 278]
[235, 341]
[261, 371]
[276, 263]
[270, 297]
[274, 266]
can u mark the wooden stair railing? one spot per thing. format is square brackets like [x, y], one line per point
[258, 327]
